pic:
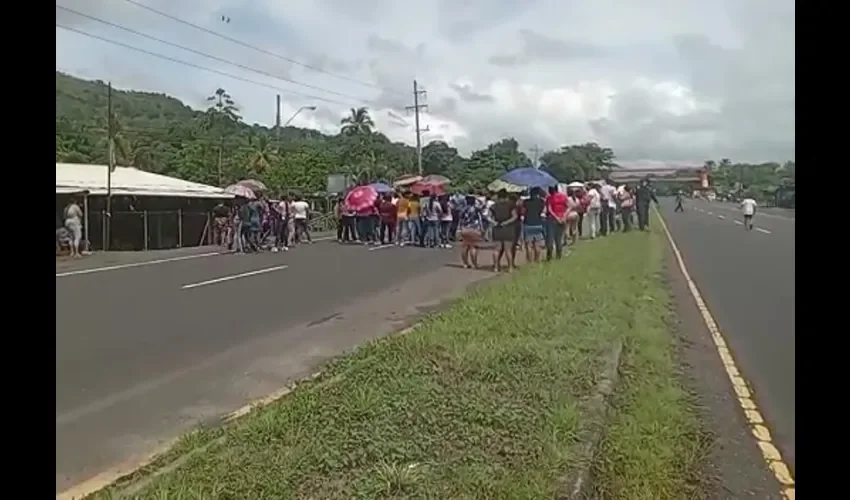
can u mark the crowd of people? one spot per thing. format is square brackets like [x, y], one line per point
[541, 222]
[249, 226]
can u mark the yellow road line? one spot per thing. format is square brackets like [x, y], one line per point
[757, 425]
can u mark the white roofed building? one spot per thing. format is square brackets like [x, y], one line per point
[128, 181]
[149, 211]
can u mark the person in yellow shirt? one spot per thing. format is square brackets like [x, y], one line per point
[413, 227]
[402, 206]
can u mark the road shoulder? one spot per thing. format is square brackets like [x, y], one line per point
[735, 467]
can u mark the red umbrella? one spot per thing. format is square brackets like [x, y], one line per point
[360, 198]
[434, 189]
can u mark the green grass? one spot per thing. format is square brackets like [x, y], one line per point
[654, 445]
[479, 402]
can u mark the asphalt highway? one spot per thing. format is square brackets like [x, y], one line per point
[747, 280]
[146, 347]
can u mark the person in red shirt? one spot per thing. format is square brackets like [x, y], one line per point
[556, 222]
[387, 213]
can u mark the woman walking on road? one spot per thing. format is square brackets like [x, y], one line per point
[471, 225]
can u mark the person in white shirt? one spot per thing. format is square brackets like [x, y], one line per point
[608, 195]
[748, 207]
[300, 215]
[74, 223]
[594, 210]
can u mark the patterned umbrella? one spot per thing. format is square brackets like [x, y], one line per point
[433, 189]
[240, 191]
[253, 185]
[361, 197]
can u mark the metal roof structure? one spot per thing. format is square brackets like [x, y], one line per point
[127, 181]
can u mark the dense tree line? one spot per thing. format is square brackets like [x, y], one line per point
[215, 146]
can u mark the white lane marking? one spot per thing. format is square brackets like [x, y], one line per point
[325, 238]
[233, 277]
[765, 231]
[721, 216]
[381, 247]
[710, 213]
[738, 222]
[135, 264]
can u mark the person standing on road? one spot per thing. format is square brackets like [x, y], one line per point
[73, 216]
[748, 207]
[608, 194]
[556, 221]
[402, 232]
[627, 205]
[533, 233]
[387, 213]
[594, 206]
[471, 227]
[446, 221]
[679, 207]
[504, 233]
[644, 196]
[301, 216]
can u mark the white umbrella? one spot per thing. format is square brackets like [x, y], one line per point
[575, 184]
[241, 191]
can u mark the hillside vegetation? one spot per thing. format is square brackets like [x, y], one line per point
[159, 133]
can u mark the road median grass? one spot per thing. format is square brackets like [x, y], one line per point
[480, 401]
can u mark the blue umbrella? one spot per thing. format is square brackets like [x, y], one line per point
[529, 177]
[381, 187]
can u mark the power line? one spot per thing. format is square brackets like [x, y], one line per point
[258, 49]
[204, 54]
[198, 66]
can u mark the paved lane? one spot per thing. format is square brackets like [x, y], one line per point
[142, 353]
[747, 280]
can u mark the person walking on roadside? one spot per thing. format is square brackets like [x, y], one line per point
[349, 223]
[573, 207]
[446, 221]
[504, 233]
[301, 217]
[556, 219]
[414, 228]
[339, 209]
[607, 194]
[748, 208]
[627, 204]
[471, 227]
[285, 212]
[402, 231]
[594, 207]
[73, 216]
[533, 233]
[643, 197]
[387, 213]
[679, 199]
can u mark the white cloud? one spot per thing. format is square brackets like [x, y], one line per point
[691, 79]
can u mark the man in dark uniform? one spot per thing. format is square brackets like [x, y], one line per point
[645, 194]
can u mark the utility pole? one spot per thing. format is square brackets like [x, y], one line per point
[416, 108]
[277, 123]
[110, 140]
[220, 107]
[536, 152]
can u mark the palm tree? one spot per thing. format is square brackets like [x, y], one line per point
[357, 123]
[262, 155]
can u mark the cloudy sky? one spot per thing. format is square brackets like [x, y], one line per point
[653, 79]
